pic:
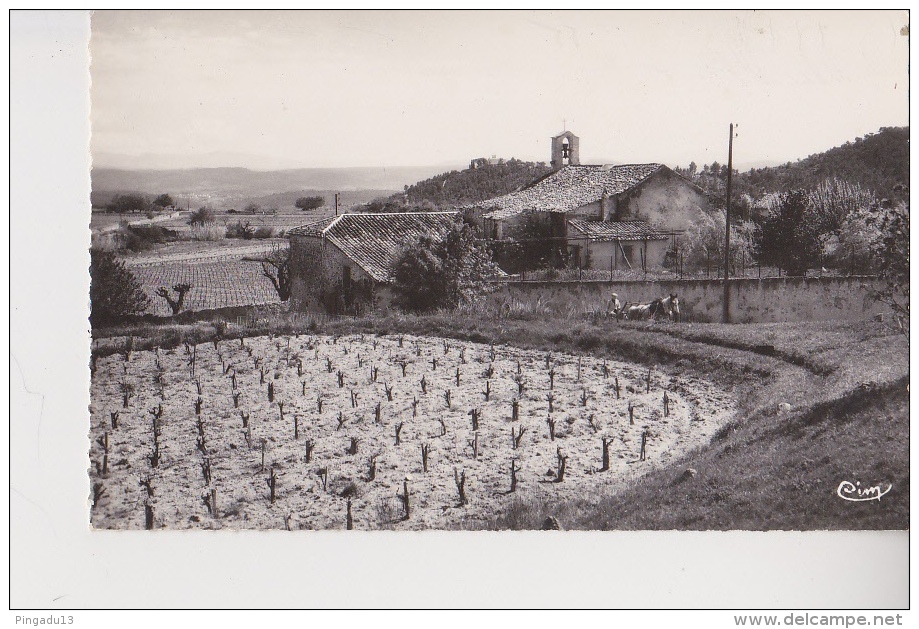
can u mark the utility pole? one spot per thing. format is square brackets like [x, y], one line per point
[726, 314]
[336, 203]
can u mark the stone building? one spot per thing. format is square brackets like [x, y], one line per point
[343, 264]
[630, 207]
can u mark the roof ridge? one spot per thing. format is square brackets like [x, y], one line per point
[396, 213]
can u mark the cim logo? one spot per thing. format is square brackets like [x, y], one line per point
[857, 493]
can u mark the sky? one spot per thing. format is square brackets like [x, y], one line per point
[397, 88]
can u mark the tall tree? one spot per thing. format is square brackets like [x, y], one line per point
[114, 291]
[789, 237]
[164, 201]
[276, 267]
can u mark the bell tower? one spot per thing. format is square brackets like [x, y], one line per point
[565, 150]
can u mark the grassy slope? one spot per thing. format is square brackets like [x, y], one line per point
[768, 470]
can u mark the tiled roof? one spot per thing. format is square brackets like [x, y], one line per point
[617, 230]
[568, 188]
[313, 229]
[373, 241]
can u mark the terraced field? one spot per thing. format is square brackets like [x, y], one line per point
[223, 284]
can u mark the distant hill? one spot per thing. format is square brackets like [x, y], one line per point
[878, 162]
[459, 187]
[228, 187]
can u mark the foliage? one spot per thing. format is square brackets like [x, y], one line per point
[834, 200]
[265, 231]
[240, 230]
[252, 208]
[878, 162]
[703, 243]
[125, 203]
[143, 237]
[164, 201]
[276, 267]
[310, 203]
[444, 273]
[202, 216]
[114, 292]
[893, 253]
[789, 235]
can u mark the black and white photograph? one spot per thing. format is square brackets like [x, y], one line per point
[469, 271]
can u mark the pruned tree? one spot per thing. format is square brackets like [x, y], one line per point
[202, 216]
[276, 267]
[175, 303]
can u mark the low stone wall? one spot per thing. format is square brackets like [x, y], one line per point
[767, 300]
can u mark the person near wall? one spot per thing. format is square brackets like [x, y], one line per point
[613, 307]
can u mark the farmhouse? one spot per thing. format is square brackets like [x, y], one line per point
[343, 264]
[622, 216]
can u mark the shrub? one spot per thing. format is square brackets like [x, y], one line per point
[445, 273]
[264, 232]
[240, 230]
[202, 216]
[207, 232]
[310, 203]
[114, 291]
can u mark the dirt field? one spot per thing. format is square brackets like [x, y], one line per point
[303, 369]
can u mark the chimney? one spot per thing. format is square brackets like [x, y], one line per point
[604, 207]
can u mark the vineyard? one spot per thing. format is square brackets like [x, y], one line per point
[214, 284]
[374, 432]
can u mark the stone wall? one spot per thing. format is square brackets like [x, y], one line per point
[752, 300]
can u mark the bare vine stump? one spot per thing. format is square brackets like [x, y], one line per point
[515, 438]
[352, 449]
[487, 389]
[550, 399]
[515, 409]
[308, 446]
[398, 432]
[514, 470]
[148, 516]
[616, 381]
[606, 444]
[425, 449]
[272, 482]
[474, 444]
[460, 480]
[666, 405]
[349, 520]
[372, 468]
[562, 462]
[404, 497]
[551, 423]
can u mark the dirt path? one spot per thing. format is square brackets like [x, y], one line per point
[584, 410]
